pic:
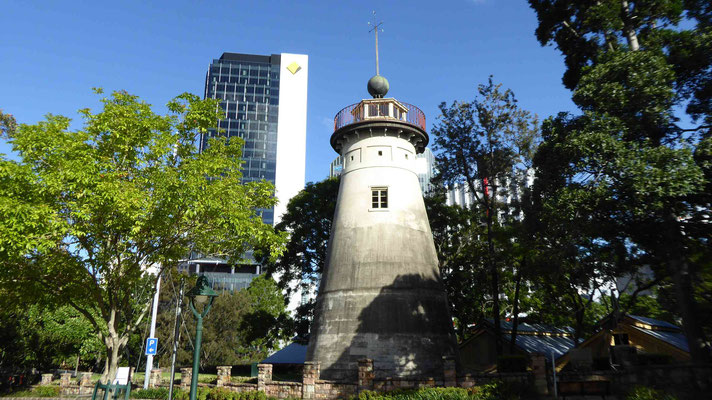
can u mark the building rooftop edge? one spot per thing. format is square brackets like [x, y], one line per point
[227, 56]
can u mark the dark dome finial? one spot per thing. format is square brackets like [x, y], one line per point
[378, 86]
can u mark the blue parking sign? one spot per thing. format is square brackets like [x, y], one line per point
[151, 346]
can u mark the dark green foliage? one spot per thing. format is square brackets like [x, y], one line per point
[501, 391]
[46, 391]
[242, 326]
[37, 391]
[42, 337]
[623, 186]
[224, 394]
[308, 220]
[420, 394]
[486, 146]
[646, 393]
[7, 124]
[512, 363]
[491, 391]
[151, 393]
[461, 260]
[220, 394]
[84, 214]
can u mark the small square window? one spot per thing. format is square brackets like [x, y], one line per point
[380, 153]
[379, 197]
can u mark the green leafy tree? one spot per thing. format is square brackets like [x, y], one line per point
[461, 256]
[85, 214]
[307, 221]
[243, 326]
[625, 168]
[36, 337]
[485, 145]
[7, 123]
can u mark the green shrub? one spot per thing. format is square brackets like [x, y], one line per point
[499, 391]
[223, 394]
[180, 394]
[202, 393]
[419, 394]
[46, 391]
[153, 393]
[20, 393]
[219, 394]
[646, 393]
[251, 395]
[512, 363]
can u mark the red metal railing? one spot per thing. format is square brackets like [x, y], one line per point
[347, 116]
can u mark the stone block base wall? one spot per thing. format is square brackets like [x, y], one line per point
[69, 387]
[312, 387]
[683, 380]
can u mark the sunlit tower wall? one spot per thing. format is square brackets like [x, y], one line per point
[381, 295]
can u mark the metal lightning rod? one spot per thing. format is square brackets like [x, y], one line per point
[375, 27]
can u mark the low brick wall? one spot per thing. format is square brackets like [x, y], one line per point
[283, 390]
[311, 386]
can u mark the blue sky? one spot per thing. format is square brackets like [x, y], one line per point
[53, 53]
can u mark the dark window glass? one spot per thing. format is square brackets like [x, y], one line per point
[383, 109]
[379, 198]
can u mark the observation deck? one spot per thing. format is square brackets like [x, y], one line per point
[389, 117]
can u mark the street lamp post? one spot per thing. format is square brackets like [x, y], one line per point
[202, 293]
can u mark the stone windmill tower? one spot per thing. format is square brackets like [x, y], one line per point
[381, 295]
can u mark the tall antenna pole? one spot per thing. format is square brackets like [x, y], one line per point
[375, 28]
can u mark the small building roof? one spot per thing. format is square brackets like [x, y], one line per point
[654, 322]
[534, 338]
[293, 353]
[558, 345]
[532, 328]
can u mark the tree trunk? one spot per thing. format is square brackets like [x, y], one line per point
[629, 27]
[114, 344]
[579, 315]
[493, 271]
[111, 364]
[679, 270]
[515, 311]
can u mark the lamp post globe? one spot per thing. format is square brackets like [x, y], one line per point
[202, 293]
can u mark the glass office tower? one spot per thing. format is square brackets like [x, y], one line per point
[264, 99]
[265, 103]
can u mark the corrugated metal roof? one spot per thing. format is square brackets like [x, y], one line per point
[677, 339]
[544, 344]
[535, 328]
[655, 322]
[294, 353]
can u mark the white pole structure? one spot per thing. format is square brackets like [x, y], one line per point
[149, 358]
[376, 27]
[176, 334]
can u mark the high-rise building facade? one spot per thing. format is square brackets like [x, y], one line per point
[265, 103]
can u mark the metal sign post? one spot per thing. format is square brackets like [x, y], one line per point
[176, 335]
[149, 356]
